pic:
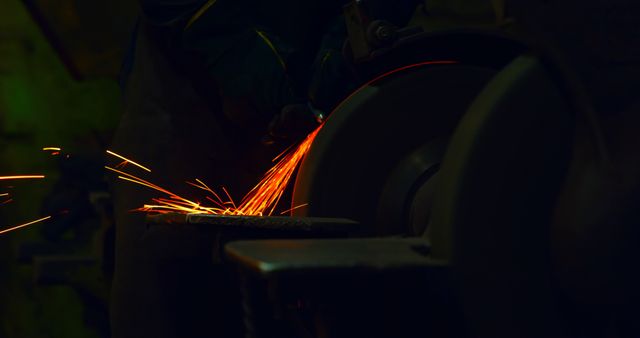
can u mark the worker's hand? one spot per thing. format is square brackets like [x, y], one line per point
[292, 124]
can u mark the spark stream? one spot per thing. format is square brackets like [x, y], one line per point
[261, 200]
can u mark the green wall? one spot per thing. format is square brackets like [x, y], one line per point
[41, 105]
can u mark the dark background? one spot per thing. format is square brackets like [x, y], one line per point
[59, 65]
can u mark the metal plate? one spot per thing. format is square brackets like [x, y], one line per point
[273, 257]
[273, 224]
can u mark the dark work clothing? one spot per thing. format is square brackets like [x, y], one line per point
[165, 283]
[158, 282]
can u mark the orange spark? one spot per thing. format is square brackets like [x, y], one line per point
[19, 177]
[294, 208]
[121, 164]
[261, 200]
[175, 202]
[51, 149]
[23, 225]
[4, 194]
[128, 160]
[230, 199]
[264, 197]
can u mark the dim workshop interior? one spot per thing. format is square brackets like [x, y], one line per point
[319, 168]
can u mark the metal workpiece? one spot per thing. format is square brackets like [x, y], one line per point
[311, 225]
[215, 231]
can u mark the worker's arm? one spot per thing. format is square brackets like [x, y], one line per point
[332, 76]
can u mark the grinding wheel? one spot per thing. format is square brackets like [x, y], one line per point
[381, 125]
[384, 143]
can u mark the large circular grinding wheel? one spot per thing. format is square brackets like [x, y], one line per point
[390, 133]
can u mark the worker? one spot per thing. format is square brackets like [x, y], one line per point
[212, 90]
